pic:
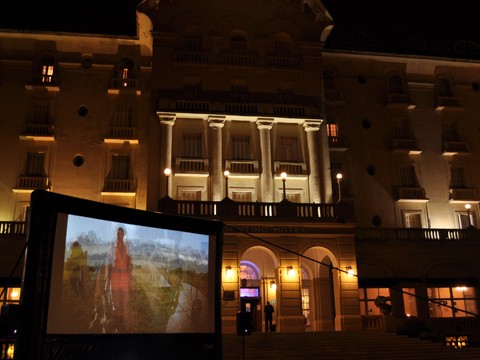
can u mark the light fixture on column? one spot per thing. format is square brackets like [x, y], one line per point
[339, 180]
[468, 207]
[228, 270]
[283, 176]
[226, 174]
[167, 173]
[273, 285]
[290, 271]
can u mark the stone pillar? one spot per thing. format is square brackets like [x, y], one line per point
[167, 121]
[216, 124]
[315, 156]
[264, 125]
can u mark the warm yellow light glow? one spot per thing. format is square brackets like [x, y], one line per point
[468, 206]
[339, 176]
[273, 285]
[14, 294]
[226, 173]
[461, 288]
[283, 175]
[167, 171]
[228, 270]
[350, 271]
[290, 271]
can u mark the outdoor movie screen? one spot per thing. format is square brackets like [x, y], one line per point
[119, 278]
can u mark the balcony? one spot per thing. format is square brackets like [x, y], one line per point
[455, 148]
[120, 135]
[415, 194]
[448, 103]
[119, 85]
[242, 168]
[462, 195]
[400, 101]
[44, 82]
[408, 146]
[291, 168]
[337, 143]
[38, 132]
[412, 234]
[120, 187]
[228, 209]
[192, 57]
[284, 62]
[334, 97]
[26, 184]
[185, 166]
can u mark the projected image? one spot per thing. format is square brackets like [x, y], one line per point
[122, 278]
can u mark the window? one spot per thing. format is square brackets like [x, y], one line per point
[452, 301]
[47, 70]
[409, 302]
[412, 219]
[288, 148]
[125, 69]
[41, 112]
[450, 131]
[329, 81]
[192, 146]
[408, 177]
[443, 87]
[242, 196]
[466, 219]
[190, 195]
[332, 127]
[120, 167]
[123, 116]
[306, 305]
[401, 128]
[192, 89]
[35, 164]
[457, 177]
[294, 197]
[238, 42]
[248, 271]
[367, 298]
[192, 40]
[10, 295]
[282, 44]
[395, 85]
[286, 95]
[241, 147]
[239, 92]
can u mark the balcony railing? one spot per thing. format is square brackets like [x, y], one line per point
[47, 82]
[285, 62]
[37, 131]
[415, 234]
[337, 143]
[229, 209]
[196, 57]
[405, 145]
[239, 167]
[334, 96]
[118, 84]
[448, 103]
[12, 227]
[400, 101]
[121, 134]
[191, 166]
[120, 186]
[463, 194]
[30, 183]
[291, 168]
[455, 147]
[411, 194]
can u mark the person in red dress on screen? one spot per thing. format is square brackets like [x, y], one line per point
[120, 271]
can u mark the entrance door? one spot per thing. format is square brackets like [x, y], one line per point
[253, 306]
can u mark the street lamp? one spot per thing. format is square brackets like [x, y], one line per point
[167, 173]
[339, 179]
[283, 175]
[468, 206]
[226, 173]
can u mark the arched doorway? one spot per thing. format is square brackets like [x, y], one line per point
[320, 284]
[258, 279]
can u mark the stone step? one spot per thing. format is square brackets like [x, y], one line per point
[339, 345]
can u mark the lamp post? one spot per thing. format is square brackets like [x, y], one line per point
[468, 206]
[226, 173]
[339, 179]
[167, 173]
[283, 175]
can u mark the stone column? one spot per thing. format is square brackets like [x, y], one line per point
[167, 121]
[216, 124]
[264, 125]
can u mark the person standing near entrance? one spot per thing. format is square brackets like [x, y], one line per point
[268, 316]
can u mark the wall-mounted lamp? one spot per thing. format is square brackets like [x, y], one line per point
[167, 173]
[339, 180]
[273, 285]
[349, 270]
[228, 270]
[226, 174]
[290, 271]
[283, 176]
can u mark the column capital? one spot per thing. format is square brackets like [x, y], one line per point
[215, 121]
[166, 118]
[264, 123]
[312, 125]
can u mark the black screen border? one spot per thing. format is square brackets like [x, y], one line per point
[33, 341]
